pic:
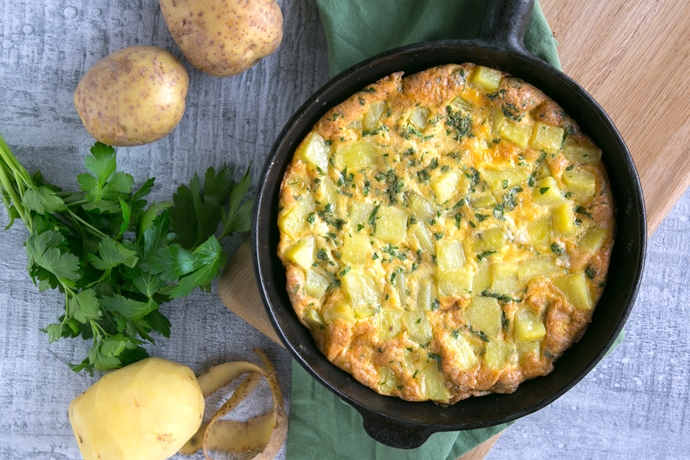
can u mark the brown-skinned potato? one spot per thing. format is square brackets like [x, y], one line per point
[224, 37]
[133, 96]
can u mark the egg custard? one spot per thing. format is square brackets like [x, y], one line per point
[446, 234]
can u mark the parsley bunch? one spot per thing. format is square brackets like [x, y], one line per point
[116, 257]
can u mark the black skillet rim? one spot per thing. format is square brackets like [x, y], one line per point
[404, 424]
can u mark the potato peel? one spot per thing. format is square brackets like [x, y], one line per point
[223, 374]
[277, 439]
[263, 435]
[239, 437]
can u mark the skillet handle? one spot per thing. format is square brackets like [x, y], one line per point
[394, 433]
[504, 25]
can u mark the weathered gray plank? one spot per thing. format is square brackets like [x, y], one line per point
[634, 405]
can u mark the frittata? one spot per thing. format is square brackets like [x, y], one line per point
[446, 234]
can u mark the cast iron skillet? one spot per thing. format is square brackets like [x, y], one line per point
[405, 424]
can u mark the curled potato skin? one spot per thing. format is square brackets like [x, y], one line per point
[264, 434]
[224, 37]
[133, 96]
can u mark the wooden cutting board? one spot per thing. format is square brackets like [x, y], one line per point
[633, 58]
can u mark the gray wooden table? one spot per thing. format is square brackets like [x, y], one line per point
[635, 404]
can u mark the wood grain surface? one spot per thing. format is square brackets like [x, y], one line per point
[633, 57]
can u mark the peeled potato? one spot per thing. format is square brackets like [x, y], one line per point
[145, 411]
[133, 96]
[224, 37]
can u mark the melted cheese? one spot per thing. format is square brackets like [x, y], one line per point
[446, 234]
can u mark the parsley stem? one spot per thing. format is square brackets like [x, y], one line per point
[74, 203]
[9, 163]
[87, 225]
[12, 162]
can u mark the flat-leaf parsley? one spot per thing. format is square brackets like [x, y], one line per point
[116, 257]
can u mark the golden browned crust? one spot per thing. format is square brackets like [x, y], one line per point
[446, 234]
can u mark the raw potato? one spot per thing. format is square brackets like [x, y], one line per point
[145, 411]
[133, 96]
[224, 37]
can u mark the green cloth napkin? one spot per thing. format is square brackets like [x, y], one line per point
[321, 425]
[358, 29]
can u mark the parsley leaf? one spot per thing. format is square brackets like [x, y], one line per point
[114, 256]
[111, 254]
[129, 308]
[84, 306]
[209, 260]
[207, 204]
[103, 187]
[42, 200]
[459, 125]
[46, 251]
[239, 214]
